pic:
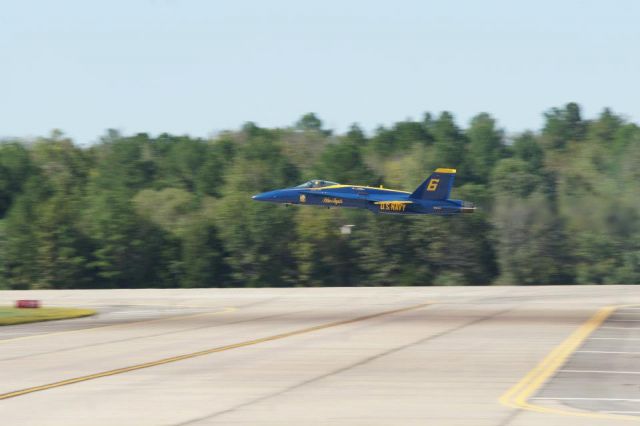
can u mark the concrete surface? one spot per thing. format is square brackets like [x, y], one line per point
[333, 356]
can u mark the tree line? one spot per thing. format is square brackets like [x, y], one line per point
[556, 206]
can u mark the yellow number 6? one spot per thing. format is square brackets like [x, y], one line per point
[433, 184]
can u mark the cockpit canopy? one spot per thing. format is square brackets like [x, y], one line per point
[316, 183]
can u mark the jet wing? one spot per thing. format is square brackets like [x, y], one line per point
[343, 195]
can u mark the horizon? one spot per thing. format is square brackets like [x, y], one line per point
[369, 132]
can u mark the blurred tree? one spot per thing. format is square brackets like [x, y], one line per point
[383, 142]
[531, 242]
[180, 165]
[260, 166]
[526, 148]
[563, 125]
[203, 256]
[450, 145]
[386, 253]
[459, 249]
[45, 248]
[513, 177]
[171, 208]
[20, 246]
[311, 123]
[257, 238]
[604, 129]
[325, 257]
[408, 133]
[61, 250]
[218, 157]
[343, 162]
[63, 166]
[356, 136]
[124, 163]
[15, 169]
[486, 146]
[130, 251]
[557, 206]
[3, 256]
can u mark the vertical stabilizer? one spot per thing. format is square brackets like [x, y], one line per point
[437, 186]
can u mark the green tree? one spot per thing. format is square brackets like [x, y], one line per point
[531, 242]
[129, 250]
[260, 166]
[559, 205]
[343, 162]
[323, 254]
[513, 177]
[181, 164]
[257, 239]
[449, 142]
[385, 251]
[20, 247]
[125, 163]
[45, 248]
[15, 169]
[530, 235]
[563, 125]
[458, 249]
[604, 129]
[311, 123]
[526, 148]
[203, 256]
[486, 146]
[61, 249]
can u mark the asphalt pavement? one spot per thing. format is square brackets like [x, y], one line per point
[504, 356]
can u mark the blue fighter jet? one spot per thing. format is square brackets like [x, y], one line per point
[431, 197]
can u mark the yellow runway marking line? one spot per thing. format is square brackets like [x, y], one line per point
[204, 352]
[520, 394]
[123, 324]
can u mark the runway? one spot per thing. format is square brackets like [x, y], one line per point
[502, 356]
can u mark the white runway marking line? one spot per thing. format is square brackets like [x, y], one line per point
[598, 372]
[521, 402]
[549, 398]
[619, 328]
[615, 338]
[121, 324]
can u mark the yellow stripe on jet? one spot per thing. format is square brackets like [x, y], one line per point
[452, 171]
[393, 202]
[355, 186]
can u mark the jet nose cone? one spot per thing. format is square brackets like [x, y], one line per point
[277, 196]
[265, 196]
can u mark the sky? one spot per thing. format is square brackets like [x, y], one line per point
[199, 67]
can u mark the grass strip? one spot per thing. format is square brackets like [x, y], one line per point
[12, 316]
